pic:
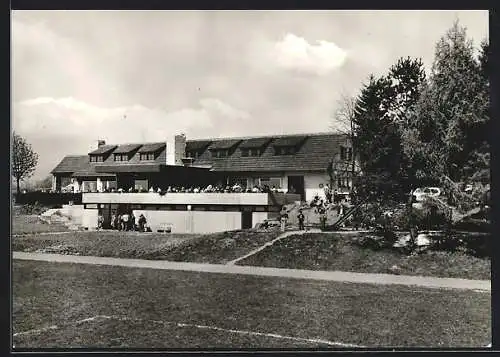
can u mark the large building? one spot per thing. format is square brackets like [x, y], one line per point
[297, 165]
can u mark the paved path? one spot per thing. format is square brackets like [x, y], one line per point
[270, 243]
[338, 276]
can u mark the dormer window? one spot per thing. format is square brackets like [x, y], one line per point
[193, 154]
[285, 150]
[96, 158]
[345, 153]
[250, 152]
[149, 156]
[220, 153]
[121, 157]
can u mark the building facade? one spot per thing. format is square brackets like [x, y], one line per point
[297, 165]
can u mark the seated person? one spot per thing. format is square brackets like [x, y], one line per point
[255, 189]
[151, 189]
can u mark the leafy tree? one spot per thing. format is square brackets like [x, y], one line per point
[451, 118]
[24, 159]
[382, 114]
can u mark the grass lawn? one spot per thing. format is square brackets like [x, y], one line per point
[320, 251]
[209, 248]
[46, 294]
[22, 224]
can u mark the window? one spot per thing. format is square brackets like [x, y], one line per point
[220, 153]
[193, 154]
[147, 156]
[121, 157]
[286, 150]
[96, 158]
[244, 152]
[271, 182]
[254, 152]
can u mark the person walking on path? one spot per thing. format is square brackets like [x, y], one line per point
[301, 218]
[283, 218]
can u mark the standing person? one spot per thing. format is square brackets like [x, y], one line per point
[301, 218]
[322, 216]
[132, 221]
[119, 224]
[100, 221]
[113, 221]
[142, 223]
[283, 218]
[125, 220]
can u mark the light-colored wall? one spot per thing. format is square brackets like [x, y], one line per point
[89, 219]
[312, 183]
[178, 198]
[75, 212]
[192, 221]
[259, 217]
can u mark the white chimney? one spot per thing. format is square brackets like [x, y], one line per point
[180, 148]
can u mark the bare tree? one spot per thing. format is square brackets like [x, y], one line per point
[24, 159]
[343, 122]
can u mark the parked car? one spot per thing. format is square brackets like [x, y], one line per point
[419, 194]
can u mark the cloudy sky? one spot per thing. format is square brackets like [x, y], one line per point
[132, 76]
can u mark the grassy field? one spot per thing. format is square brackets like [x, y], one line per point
[209, 248]
[320, 251]
[164, 309]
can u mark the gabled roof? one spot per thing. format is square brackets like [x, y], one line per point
[254, 143]
[289, 141]
[72, 163]
[197, 145]
[224, 144]
[153, 147]
[314, 154]
[104, 149]
[127, 148]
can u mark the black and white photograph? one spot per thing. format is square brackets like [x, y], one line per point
[250, 180]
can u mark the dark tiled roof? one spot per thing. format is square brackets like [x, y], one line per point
[127, 148]
[197, 145]
[104, 149]
[153, 147]
[289, 141]
[254, 143]
[224, 144]
[72, 163]
[314, 154]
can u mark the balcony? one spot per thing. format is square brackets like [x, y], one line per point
[273, 199]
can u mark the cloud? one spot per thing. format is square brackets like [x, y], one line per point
[76, 125]
[295, 53]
